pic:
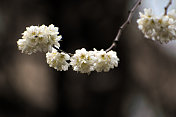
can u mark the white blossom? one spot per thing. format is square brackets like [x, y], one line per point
[159, 28]
[39, 38]
[87, 61]
[82, 61]
[172, 14]
[105, 60]
[58, 60]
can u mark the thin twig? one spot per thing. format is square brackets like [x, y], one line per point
[131, 12]
[166, 8]
[59, 50]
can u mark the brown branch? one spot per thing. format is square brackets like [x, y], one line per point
[166, 8]
[131, 12]
[59, 50]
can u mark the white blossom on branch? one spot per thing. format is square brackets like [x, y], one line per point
[105, 60]
[158, 28]
[83, 61]
[58, 60]
[87, 61]
[39, 38]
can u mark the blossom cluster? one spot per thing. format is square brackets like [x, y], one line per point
[58, 60]
[87, 61]
[83, 61]
[39, 38]
[159, 28]
[46, 39]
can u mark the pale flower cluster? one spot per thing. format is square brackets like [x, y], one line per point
[105, 60]
[58, 60]
[83, 61]
[39, 38]
[159, 28]
[87, 61]
[46, 39]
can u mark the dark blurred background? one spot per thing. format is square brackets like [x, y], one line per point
[142, 86]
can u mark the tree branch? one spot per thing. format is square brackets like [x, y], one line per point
[59, 50]
[131, 12]
[166, 8]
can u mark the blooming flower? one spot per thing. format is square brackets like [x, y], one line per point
[105, 60]
[82, 61]
[58, 60]
[159, 28]
[172, 14]
[87, 61]
[39, 38]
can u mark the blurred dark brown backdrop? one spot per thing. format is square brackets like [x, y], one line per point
[142, 86]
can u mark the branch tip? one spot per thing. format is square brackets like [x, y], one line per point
[166, 7]
[131, 12]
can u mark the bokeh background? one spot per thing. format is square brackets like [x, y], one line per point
[144, 84]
